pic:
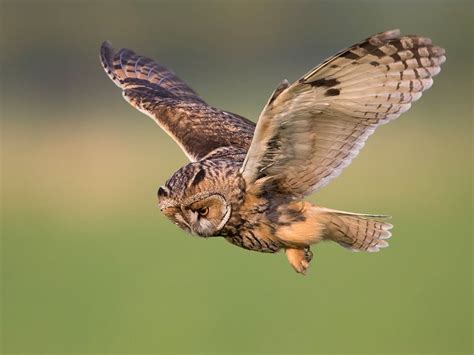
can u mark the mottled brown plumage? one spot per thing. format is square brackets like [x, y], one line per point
[246, 183]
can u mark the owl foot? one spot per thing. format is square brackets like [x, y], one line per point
[299, 259]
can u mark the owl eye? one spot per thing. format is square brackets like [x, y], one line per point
[203, 211]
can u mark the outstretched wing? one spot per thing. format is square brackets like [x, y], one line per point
[200, 130]
[311, 130]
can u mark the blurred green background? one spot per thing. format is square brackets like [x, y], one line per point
[89, 265]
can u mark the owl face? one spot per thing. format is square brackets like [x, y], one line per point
[197, 199]
[202, 214]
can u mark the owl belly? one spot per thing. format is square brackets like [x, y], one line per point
[284, 225]
[251, 240]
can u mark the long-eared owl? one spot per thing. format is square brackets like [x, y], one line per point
[246, 182]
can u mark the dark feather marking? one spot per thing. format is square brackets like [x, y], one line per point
[254, 240]
[350, 55]
[396, 57]
[332, 92]
[296, 216]
[265, 244]
[369, 47]
[280, 88]
[323, 82]
[397, 44]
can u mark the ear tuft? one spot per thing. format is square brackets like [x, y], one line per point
[199, 177]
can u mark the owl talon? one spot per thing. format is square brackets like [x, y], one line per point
[299, 259]
[305, 266]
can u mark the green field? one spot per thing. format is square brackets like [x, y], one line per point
[89, 265]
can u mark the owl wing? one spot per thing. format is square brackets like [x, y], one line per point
[311, 130]
[199, 129]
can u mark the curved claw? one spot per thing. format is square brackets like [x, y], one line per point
[299, 259]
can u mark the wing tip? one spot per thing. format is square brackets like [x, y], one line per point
[106, 45]
[386, 35]
[106, 55]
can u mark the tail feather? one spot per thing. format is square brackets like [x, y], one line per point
[356, 231]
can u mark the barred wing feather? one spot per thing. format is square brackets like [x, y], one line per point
[199, 129]
[311, 130]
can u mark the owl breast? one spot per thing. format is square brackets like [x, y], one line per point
[250, 226]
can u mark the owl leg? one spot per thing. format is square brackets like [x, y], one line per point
[299, 259]
[308, 254]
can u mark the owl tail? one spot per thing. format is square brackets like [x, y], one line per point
[355, 231]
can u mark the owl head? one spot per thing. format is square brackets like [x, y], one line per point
[199, 197]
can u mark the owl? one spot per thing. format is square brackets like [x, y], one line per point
[246, 183]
